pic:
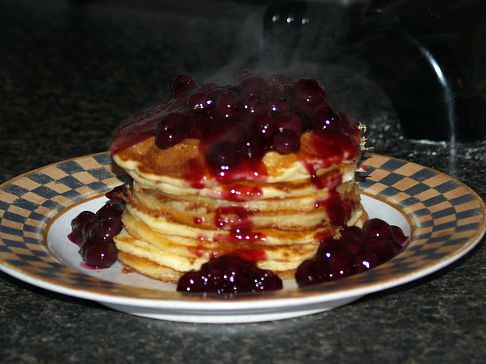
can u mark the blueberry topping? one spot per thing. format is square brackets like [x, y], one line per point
[229, 274]
[356, 251]
[94, 232]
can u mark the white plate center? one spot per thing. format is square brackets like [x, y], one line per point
[67, 252]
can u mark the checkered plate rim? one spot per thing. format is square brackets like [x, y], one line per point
[447, 220]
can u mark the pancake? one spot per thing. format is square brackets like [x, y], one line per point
[161, 272]
[215, 187]
[299, 213]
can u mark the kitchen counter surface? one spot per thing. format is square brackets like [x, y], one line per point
[70, 72]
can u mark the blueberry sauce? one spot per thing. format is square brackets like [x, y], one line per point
[240, 193]
[336, 209]
[241, 234]
[250, 254]
[357, 250]
[94, 232]
[229, 274]
[232, 216]
[237, 125]
[236, 220]
[198, 220]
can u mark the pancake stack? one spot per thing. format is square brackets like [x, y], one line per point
[273, 208]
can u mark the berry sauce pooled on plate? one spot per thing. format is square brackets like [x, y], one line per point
[229, 274]
[355, 251]
[94, 232]
[235, 127]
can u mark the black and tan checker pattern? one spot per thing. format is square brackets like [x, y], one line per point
[447, 220]
[446, 217]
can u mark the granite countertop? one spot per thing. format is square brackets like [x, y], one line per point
[70, 71]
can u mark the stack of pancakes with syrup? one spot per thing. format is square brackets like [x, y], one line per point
[201, 189]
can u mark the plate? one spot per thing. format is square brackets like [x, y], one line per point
[444, 218]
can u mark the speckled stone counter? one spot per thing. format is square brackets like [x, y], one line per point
[70, 72]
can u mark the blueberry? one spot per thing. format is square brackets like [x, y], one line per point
[181, 84]
[285, 142]
[171, 130]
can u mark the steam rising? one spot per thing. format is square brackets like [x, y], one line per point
[305, 42]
